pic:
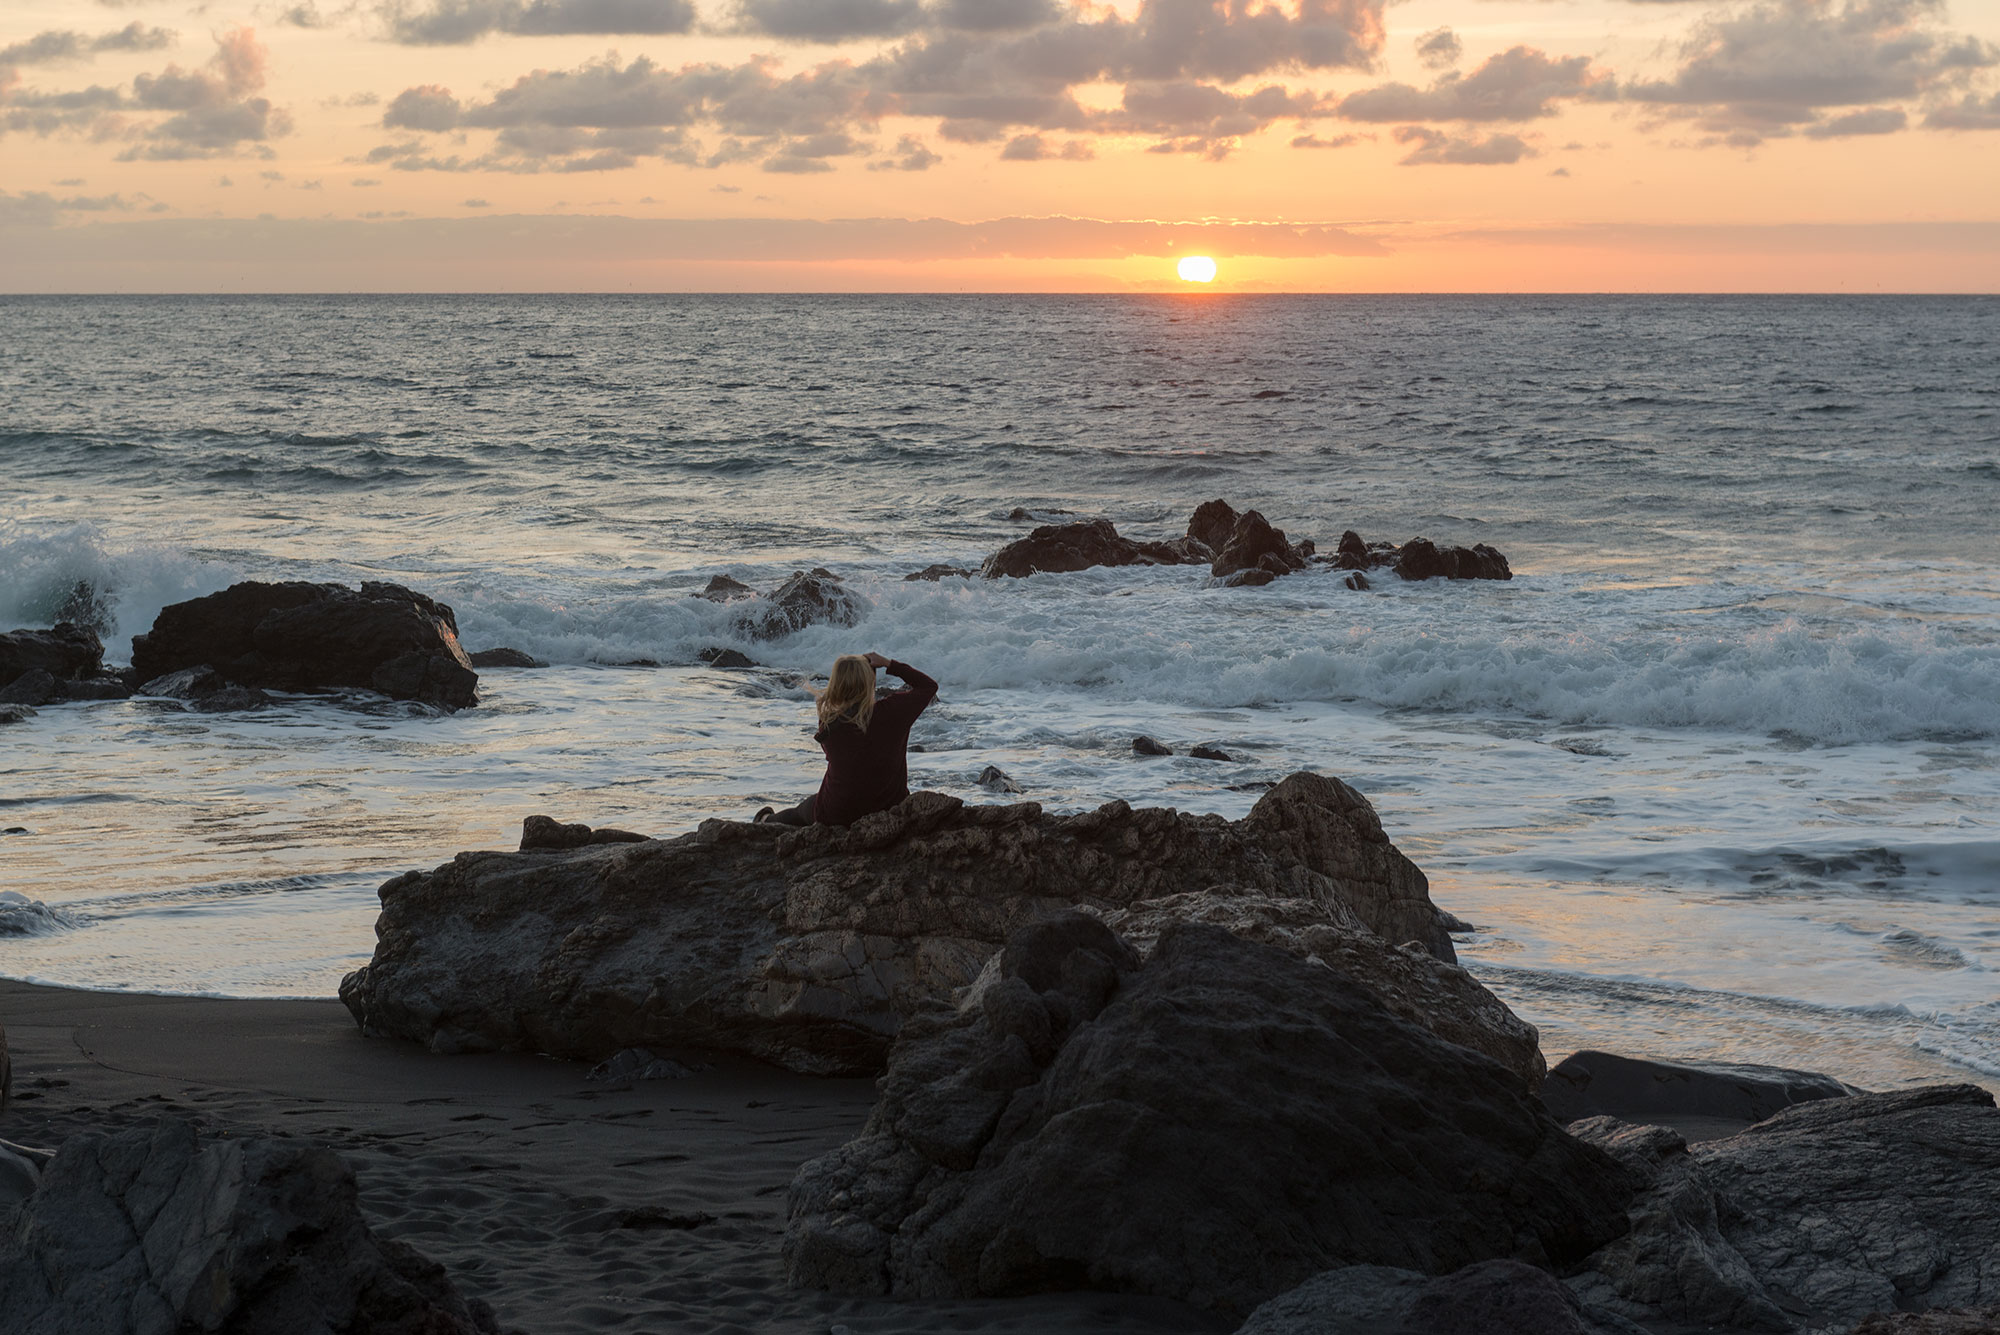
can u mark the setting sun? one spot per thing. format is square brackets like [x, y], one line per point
[1196, 269]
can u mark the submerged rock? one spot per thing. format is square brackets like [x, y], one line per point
[934, 573]
[152, 1231]
[723, 589]
[810, 947]
[1811, 1220]
[726, 658]
[1146, 746]
[1214, 1126]
[1206, 752]
[506, 658]
[303, 637]
[66, 651]
[995, 779]
[16, 713]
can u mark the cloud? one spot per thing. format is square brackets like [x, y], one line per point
[1518, 84]
[212, 110]
[828, 20]
[909, 155]
[429, 107]
[1968, 113]
[985, 71]
[455, 22]
[1775, 67]
[1315, 141]
[38, 208]
[1870, 120]
[56, 47]
[1439, 49]
[1035, 148]
[1430, 147]
[302, 15]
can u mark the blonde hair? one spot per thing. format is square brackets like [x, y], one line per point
[849, 693]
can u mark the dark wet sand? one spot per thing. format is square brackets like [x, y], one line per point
[511, 1171]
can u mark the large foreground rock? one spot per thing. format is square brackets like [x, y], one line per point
[66, 652]
[1410, 982]
[1485, 1298]
[302, 637]
[1214, 1126]
[1812, 1220]
[151, 1232]
[809, 947]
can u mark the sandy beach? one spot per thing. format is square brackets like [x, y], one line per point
[567, 1207]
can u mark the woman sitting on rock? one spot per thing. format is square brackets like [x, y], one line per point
[865, 740]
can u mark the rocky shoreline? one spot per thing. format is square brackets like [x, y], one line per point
[1224, 1065]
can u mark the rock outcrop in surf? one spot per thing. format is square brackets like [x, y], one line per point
[1241, 550]
[811, 947]
[40, 666]
[296, 636]
[1215, 1125]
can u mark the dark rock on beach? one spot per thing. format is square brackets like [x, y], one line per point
[205, 690]
[1485, 1298]
[1593, 1084]
[1814, 1219]
[1215, 1125]
[108, 686]
[547, 832]
[506, 658]
[36, 686]
[304, 637]
[152, 1231]
[810, 947]
[66, 652]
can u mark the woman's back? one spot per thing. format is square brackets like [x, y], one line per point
[868, 770]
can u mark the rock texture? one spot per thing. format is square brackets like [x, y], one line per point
[547, 832]
[809, 947]
[809, 598]
[1420, 558]
[304, 637]
[1211, 524]
[1594, 1084]
[1407, 981]
[1812, 1220]
[66, 652]
[506, 658]
[151, 1232]
[1059, 547]
[1214, 1126]
[1485, 1298]
[36, 686]
[1254, 545]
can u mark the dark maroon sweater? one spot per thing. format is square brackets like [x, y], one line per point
[869, 771]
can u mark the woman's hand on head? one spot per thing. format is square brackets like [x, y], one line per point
[875, 660]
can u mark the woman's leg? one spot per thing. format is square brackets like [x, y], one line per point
[802, 814]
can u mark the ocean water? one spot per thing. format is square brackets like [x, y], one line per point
[1714, 775]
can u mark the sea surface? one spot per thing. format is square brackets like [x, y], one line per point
[1714, 775]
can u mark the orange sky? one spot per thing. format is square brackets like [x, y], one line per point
[1316, 145]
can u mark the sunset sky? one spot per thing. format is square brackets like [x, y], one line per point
[999, 145]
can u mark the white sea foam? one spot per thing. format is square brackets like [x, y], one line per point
[41, 569]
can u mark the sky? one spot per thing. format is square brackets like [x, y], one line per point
[999, 145]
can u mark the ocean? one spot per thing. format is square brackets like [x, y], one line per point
[1713, 776]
